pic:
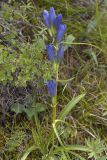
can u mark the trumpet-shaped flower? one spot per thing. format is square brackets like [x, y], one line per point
[49, 17]
[51, 88]
[60, 33]
[60, 53]
[51, 52]
[52, 16]
[46, 18]
[58, 21]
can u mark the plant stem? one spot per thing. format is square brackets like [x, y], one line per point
[54, 99]
[54, 108]
[97, 8]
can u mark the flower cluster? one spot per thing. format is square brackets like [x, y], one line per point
[51, 20]
[55, 54]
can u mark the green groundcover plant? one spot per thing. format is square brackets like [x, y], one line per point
[21, 46]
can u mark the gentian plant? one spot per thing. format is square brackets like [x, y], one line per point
[55, 51]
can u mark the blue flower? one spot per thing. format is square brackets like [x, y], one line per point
[49, 17]
[60, 53]
[51, 88]
[58, 21]
[46, 18]
[60, 32]
[51, 52]
[52, 16]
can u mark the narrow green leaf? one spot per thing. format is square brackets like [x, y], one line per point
[72, 148]
[70, 106]
[35, 137]
[32, 148]
[94, 57]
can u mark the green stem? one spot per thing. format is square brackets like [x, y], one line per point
[54, 99]
[97, 8]
[54, 108]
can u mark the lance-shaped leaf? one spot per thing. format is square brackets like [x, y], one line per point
[70, 106]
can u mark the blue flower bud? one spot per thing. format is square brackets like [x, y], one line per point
[51, 52]
[58, 21]
[51, 87]
[52, 16]
[60, 53]
[60, 32]
[46, 18]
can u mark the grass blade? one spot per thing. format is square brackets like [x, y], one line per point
[32, 148]
[70, 106]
